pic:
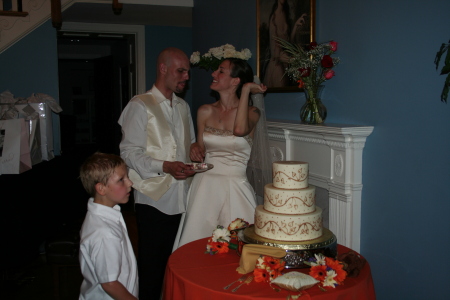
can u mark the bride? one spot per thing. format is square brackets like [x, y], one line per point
[225, 132]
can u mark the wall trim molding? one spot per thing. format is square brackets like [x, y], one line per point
[137, 30]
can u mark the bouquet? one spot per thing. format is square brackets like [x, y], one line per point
[311, 67]
[328, 271]
[220, 242]
[268, 268]
[215, 56]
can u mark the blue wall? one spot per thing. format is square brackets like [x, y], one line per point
[386, 79]
[31, 66]
[158, 38]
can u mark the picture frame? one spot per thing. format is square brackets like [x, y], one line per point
[296, 24]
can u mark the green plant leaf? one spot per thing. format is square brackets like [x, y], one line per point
[442, 50]
[445, 69]
[447, 57]
[444, 94]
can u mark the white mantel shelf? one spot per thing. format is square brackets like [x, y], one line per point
[334, 154]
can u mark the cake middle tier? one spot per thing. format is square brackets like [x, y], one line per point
[292, 202]
[282, 227]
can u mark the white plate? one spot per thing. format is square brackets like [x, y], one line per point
[200, 167]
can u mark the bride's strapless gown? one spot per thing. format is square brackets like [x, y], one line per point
[222, 194]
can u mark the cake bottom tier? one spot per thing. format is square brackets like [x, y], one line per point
[284, 227]
[296, 252]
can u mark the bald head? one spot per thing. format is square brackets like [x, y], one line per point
[167, 56]
[172, 71]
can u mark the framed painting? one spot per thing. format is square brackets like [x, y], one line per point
[291, 20]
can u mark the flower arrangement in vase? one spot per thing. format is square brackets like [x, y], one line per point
[310, 68]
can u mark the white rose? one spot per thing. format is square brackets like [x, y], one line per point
[240, 55]
[216, 52]
[227, 53]
[195, 57]
[247, 53]
[228, 47]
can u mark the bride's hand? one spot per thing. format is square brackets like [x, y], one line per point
[255, 88]
[197, 153]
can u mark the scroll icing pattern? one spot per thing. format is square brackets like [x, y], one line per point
[309, 201]
[290, 228]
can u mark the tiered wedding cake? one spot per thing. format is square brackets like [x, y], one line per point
[289, 212]
[289, 218]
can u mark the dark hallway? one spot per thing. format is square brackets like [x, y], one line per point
[47, 204]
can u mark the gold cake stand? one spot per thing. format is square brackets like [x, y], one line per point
[296, 252]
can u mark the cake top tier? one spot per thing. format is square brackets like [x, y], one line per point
[290, 174]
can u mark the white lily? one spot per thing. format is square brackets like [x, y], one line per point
[221, 234]
[329, 279]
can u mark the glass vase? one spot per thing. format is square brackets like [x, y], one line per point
[313, 111]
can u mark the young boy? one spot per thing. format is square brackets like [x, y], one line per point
[107, 259]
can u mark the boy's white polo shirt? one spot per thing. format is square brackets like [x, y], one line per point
[106, 253]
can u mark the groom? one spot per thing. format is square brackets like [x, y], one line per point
[157, 132]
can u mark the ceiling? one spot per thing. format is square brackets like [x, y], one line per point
[132, 14]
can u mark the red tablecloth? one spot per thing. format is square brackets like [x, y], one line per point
[192, 274]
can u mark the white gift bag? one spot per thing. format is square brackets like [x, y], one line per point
[44, 113]
[14, 147]
[35, 141]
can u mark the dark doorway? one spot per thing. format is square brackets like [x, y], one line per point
[96, 76]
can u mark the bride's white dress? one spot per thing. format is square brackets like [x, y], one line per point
[222, 194]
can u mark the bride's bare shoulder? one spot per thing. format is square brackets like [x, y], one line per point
[207, 108]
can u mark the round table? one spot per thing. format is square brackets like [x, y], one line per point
[192, 274]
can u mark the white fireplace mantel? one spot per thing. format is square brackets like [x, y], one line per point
[334, 154]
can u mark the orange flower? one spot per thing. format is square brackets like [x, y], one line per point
[274, 263]
[318, 272]
[340, 276]
[301, 84]
[338, 268]
[334, 264]
[274, 274]
[221, 247]
[261, 275]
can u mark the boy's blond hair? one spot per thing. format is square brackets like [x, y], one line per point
[98, 168]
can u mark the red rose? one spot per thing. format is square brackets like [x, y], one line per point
[333, 45]
[327, 61]
[328, 74]
[304, 72]
[312, 45]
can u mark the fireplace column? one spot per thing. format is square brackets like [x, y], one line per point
[334, 154]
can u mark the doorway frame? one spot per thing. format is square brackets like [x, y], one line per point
[137, 30]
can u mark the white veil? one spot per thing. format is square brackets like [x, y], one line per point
[259, 168]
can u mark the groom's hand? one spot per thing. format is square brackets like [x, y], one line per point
[177, 169]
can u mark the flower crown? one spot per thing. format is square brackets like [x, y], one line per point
[215, 56]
